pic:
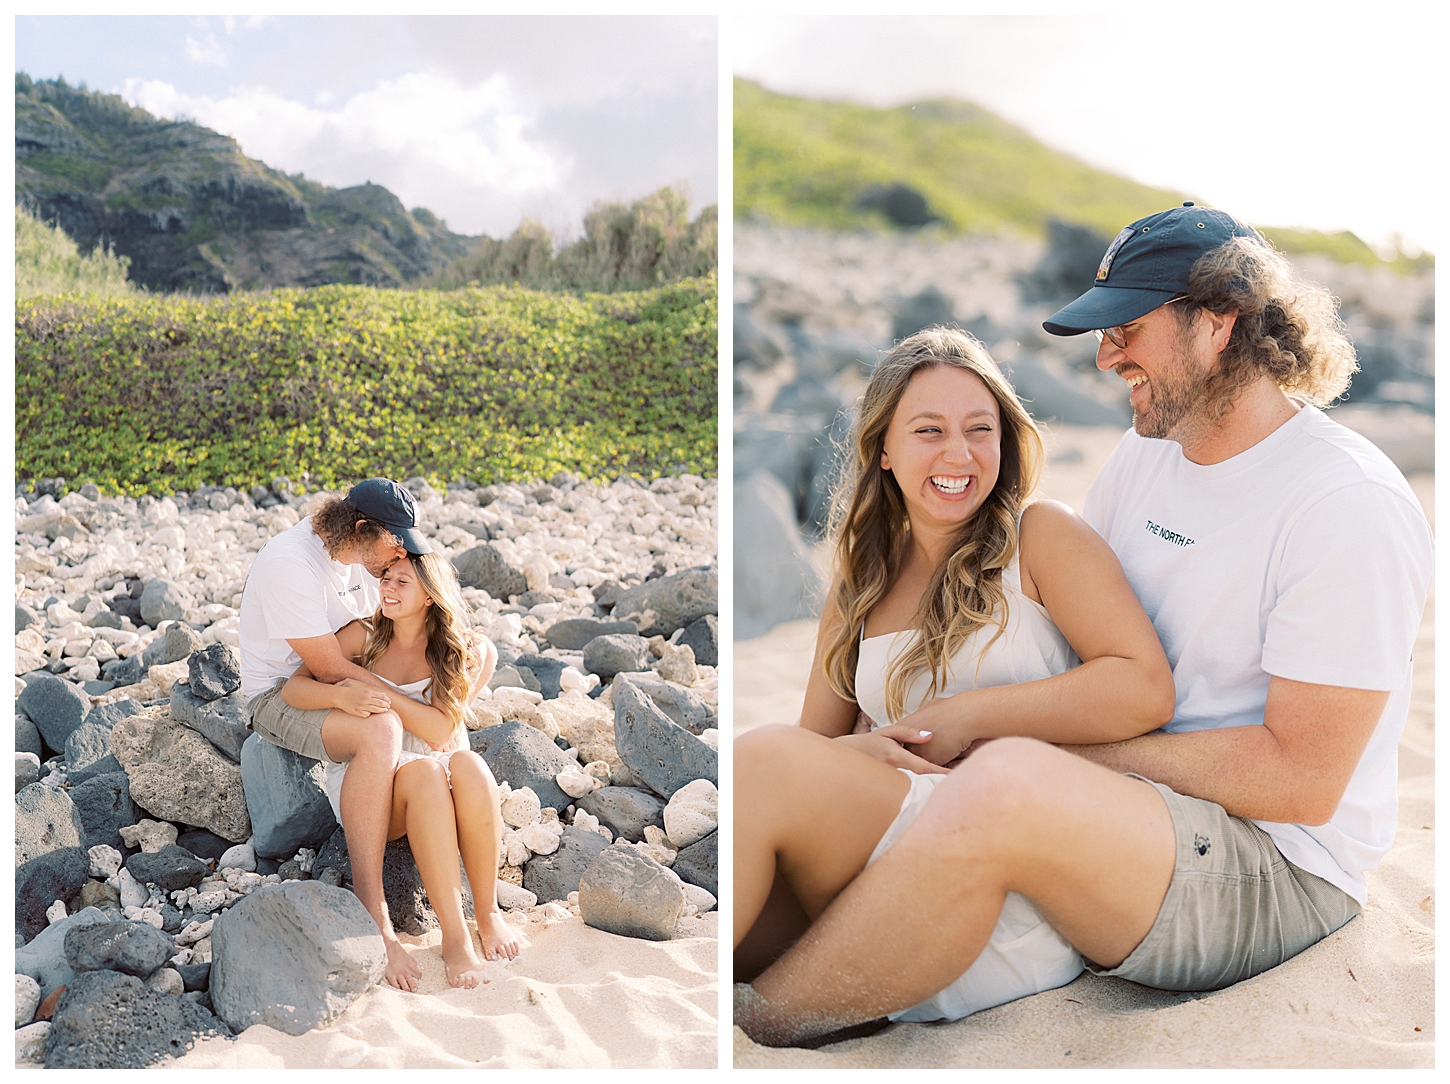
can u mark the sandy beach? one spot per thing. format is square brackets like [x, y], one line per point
[1363, 998]
[575, 998]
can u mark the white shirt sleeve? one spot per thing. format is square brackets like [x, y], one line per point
[1352, 583]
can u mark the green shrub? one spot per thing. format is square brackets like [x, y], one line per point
[343, 382]
[47, 261]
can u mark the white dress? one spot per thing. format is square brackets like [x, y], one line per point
[414, 747]
[1025, 955]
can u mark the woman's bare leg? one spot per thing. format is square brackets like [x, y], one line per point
[480, 826]
[423, 810]
[810, 811]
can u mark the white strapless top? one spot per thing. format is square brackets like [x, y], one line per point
[1029, 649]
[418, 690]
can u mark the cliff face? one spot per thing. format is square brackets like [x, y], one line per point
[194, 213]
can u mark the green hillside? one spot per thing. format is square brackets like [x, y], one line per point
[800, 161]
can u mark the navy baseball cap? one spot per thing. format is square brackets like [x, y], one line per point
[1147, 265]
[393, 506]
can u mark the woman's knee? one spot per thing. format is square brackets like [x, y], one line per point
[768, 751]
[421, 778]
[470, 772]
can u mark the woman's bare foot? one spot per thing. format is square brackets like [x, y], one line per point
[464, 968]
[498, 937]
[402, 973]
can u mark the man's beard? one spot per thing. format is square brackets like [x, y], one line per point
[1171, 401]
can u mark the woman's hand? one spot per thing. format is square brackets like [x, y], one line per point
[888, 745]
[357, 698]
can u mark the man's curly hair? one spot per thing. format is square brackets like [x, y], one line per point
[340, 524]
[1286, 328]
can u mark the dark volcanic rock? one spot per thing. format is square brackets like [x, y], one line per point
[486, 568]
[163, 600]
[616, 654]
[44, 958]
[172, 868]
[545, 670]
[193, 976]
[105, 807]
[203, 844]
[88, 751]
[180, 639]
[57, 875]
[660, 751]
[214, 672]
[107, 1020]
[625, 811]
[57, 707]
[402, 884]
[286, 799]
[521, 756]
[699, 863]
[554, 876]
[136, 948]
[221, 720]
[703, 637]
[573, 633]
[678, 600]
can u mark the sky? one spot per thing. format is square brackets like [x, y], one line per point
[482, 119]
[1328, 121]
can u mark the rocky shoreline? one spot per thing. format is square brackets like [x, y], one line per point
[162, 850]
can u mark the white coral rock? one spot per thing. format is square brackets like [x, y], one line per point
[692, 813]
[105, 860]
[150, 836]
[520, 808]
[538, 839]
[515, 898]
[242, 857]
[576, 783]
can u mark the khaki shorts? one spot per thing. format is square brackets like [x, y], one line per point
[292, 728]
[1235, 907]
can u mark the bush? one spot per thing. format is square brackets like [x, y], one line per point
[343, 382]
[47, 261]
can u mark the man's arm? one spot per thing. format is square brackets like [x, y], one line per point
[1292, 770]
[324, 657]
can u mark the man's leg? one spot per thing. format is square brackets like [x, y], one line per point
[1093, 849]
[370, 748]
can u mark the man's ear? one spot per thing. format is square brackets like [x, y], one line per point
[1220, 326]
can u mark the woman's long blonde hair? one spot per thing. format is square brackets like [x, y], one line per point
[449, 646]
[869, 525]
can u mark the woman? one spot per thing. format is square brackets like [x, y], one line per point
[958, 613]
[445, 799]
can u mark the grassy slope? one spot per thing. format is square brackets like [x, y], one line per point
[802, 161]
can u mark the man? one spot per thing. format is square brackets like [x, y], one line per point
[1285, 564]
[305, 585]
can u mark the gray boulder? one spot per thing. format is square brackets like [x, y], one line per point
[624, 892]
[774, 578]
[88, 752]
[214, 672]
[27, 737]
[55, 875]
[293, 957]
[25, 617]
[625, 811]
[676, 701]
[107, 1020]
[699, 863]
[205, 845]
[508, 676]
[616, 654]
[57, 707]
[104, 805]
[170, 869]
[677, 600]
[44, 958]
[45, 820]
[546, 672]
[554, 876]
[163, 600]
[27, 770]
[179, 641]
[220, 720]
[521, 756]
[656, 748]
[286, 799]
[486, 568]
[402, 884]
[122, 672]
[703, 638]
[573, 633]
[135, 948]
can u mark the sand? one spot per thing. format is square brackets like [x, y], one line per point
[575, 998]
[1362, 998]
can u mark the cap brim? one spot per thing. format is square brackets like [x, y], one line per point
[414, 541]
[1104, 306]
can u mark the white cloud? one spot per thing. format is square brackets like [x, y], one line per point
[205, 52]
[429, 138]
[246, 22]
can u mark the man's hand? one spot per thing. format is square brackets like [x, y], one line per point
[357, 698]
[888, 745]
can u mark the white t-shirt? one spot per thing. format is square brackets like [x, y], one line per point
[1306, 557]
[295, 590]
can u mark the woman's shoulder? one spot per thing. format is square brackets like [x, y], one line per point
[1046, 521]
